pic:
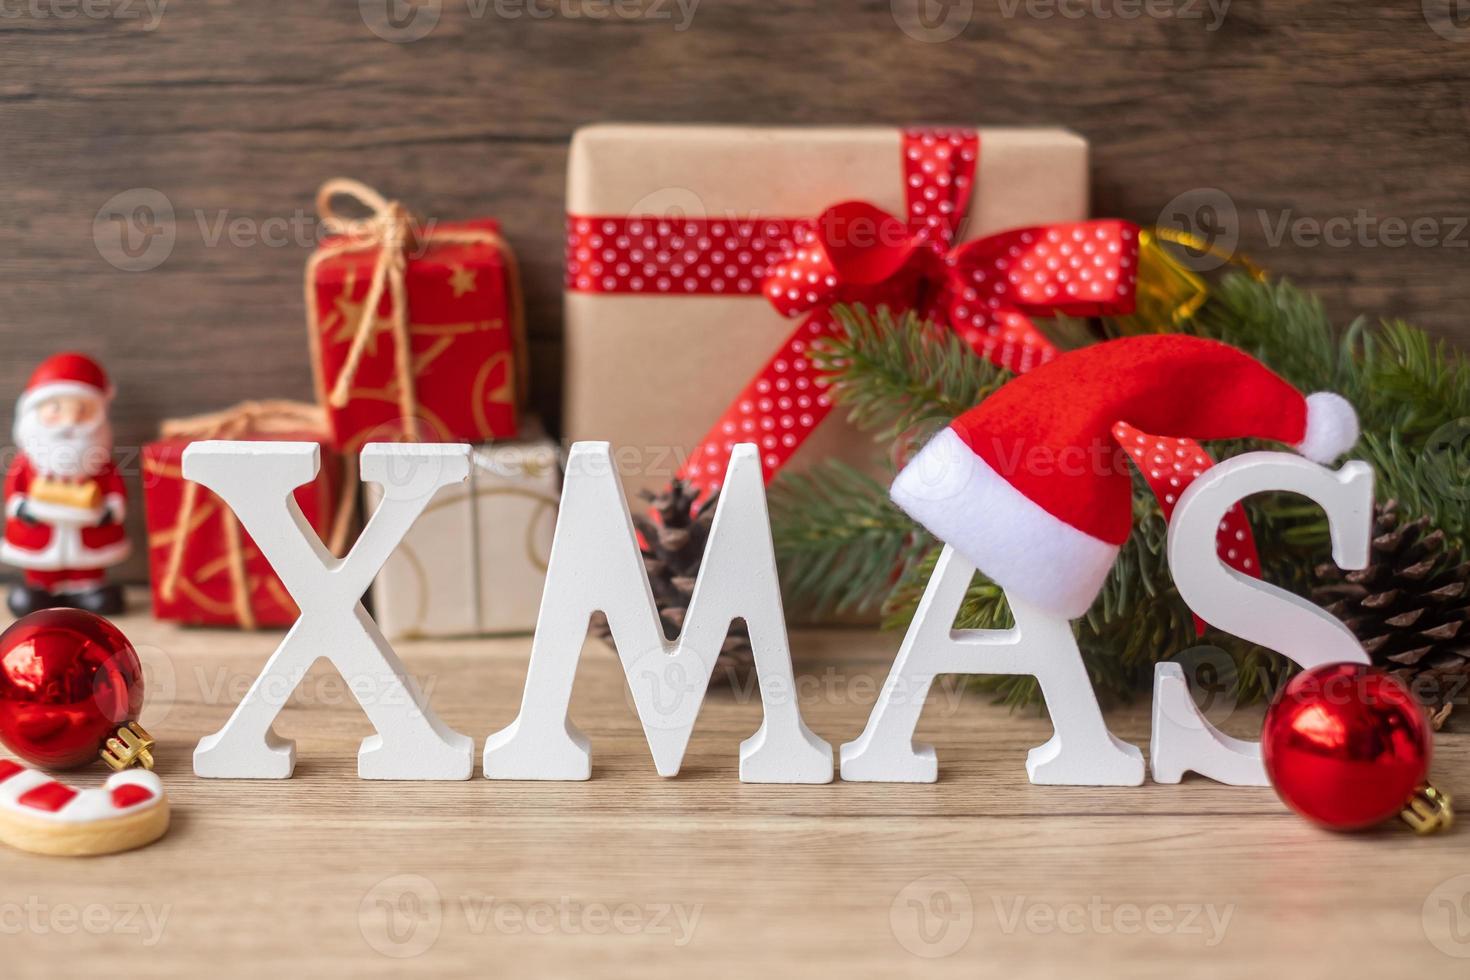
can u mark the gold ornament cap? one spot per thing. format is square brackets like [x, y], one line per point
[1170, 288]
[131, 746]
[1429, 810]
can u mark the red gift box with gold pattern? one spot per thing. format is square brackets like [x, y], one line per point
[204, 568]
[415, 327]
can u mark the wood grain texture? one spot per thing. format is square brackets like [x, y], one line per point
[1316, 109]
[298, 877]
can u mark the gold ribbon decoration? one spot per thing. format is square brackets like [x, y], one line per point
[1169, 292]
[276, 417]
[391, 231]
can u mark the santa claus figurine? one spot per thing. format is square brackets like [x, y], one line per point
[64, 499]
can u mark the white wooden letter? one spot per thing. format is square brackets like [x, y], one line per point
[1183, 739]
[256, 480]
[595, 565]
[1082, 752]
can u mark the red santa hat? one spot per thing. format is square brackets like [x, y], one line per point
[1030, 487]
[67, 373]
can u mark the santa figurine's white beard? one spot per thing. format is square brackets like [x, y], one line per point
[67, 451]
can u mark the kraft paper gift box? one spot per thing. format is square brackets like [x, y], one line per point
[672, 230]
[475, 560]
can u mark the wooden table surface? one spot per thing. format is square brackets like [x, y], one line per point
[631, 874]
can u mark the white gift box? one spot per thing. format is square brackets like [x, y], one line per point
[475, 560]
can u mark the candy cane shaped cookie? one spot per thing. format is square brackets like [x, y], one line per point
[39, 814]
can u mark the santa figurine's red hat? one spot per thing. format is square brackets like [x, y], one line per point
[67, 373]
[1030, 487]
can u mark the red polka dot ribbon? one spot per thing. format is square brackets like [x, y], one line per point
[1171, 465]
[678, 256]
[988, 290]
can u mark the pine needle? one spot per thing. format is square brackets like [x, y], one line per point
[843, 545]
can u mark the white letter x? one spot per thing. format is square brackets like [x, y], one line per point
[256, 480]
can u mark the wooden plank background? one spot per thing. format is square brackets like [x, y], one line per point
[1332, 116]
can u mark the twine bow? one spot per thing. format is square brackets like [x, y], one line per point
[391, 230]
[276, 417]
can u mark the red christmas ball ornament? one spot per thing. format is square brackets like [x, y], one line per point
[1347, 747]
[68, 680]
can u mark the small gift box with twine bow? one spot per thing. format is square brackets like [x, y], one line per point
[475, 560]
[416, 328]
[204, 568]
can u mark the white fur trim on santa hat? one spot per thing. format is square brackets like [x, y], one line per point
[1332, 427]
[57, 389]
[1030, 553]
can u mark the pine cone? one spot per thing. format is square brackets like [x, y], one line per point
[1409, 608]
[672, 551]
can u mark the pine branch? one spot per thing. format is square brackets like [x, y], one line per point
[902, 378]
[842, 543]
[838, 539]
[1412, 393]
[1284, 328]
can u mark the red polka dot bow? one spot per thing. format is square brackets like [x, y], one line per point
[988, 289]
